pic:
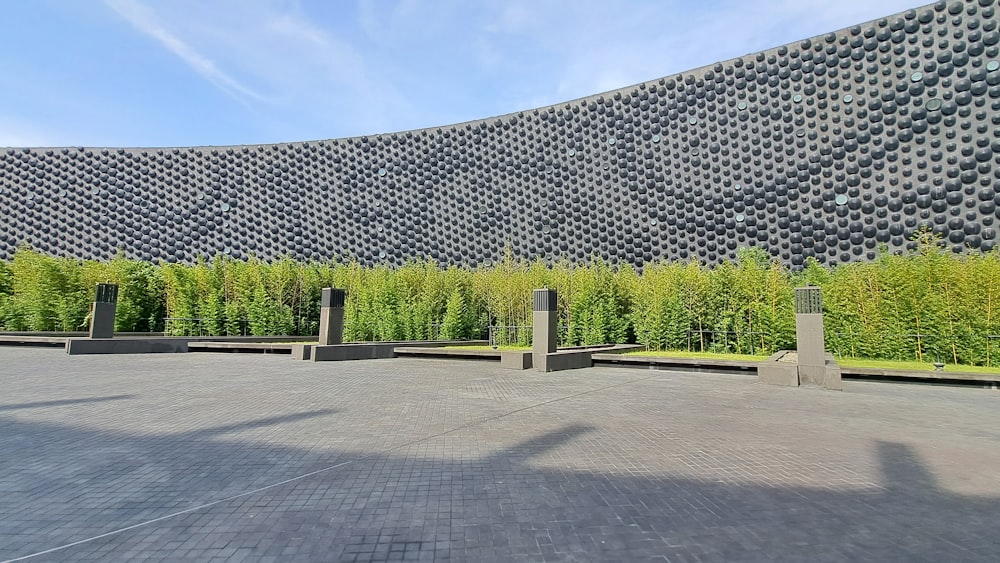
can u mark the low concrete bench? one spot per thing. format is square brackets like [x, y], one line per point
[343, 352]
[773, 371]
[694, 365]
[563, 360]
[375, 350]
[443, 352]
[302, 351]
[262, 347]
[76, 346]
[515, 359]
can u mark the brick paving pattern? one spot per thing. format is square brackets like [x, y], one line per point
[224, 457]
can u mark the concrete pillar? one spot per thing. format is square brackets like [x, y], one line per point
[102, 311]
[331, 316]
[813, 366]
[544, 325]
[809, 326]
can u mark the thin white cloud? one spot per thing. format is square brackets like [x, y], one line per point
[314, 70]
[144, 19]
[305, 67]
[593, 49]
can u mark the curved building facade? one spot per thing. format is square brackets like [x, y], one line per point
[835, 147]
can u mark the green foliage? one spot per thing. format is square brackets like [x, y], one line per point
[505, 289]
[928, 305]
[181, 298]
[6, 279]
[459, 319]
[924, 305]
[598, 311]
[7, 309]
[140, 295]
[47, 293]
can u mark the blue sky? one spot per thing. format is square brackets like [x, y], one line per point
[217, 72]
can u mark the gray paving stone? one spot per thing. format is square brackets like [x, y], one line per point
[257, 458]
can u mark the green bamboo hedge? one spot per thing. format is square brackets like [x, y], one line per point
[925, 305]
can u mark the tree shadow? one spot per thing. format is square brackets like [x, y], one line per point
[219, 498]
[902, 469]
[62, 402]
[254, 424]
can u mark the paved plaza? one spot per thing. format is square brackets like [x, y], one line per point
[260, 458]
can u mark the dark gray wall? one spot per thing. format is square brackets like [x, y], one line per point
[830, 147]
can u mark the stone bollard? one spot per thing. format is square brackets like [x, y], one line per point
[813, 365]
[102, 311]
[544, 326]
[809, 326]
[331, 316]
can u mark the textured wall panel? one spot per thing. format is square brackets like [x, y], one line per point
[830, 147]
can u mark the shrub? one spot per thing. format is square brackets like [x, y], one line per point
[926, 304]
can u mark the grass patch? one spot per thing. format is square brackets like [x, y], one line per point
[699, 355]
[912, 366]
[489, 349]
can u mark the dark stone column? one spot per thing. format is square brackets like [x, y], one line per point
[544, 327]
[813, 365]
[102, 311]
[809, 326]
[331, 316]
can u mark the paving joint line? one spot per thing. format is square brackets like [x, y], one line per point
[325, 469]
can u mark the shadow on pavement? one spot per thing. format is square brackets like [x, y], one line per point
[62, 484]
[63, 402]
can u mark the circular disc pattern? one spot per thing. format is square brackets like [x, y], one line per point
[833, 147]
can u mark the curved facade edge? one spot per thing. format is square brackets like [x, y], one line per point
[836, 147]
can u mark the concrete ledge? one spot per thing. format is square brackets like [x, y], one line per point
[51, 333]
[265, 347]
[695, 365]
[58, 339]
[54, 341]
[773, 371]
[77, 346]
[440, 352]
[81, 334]
[342, 352]
[377, 350]
[178, 344]
[302, 351]
[826, 376]
[261, 339]
[704, 365]
[608, 348]
[861, 373]
[559, 361]
[513, 359]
